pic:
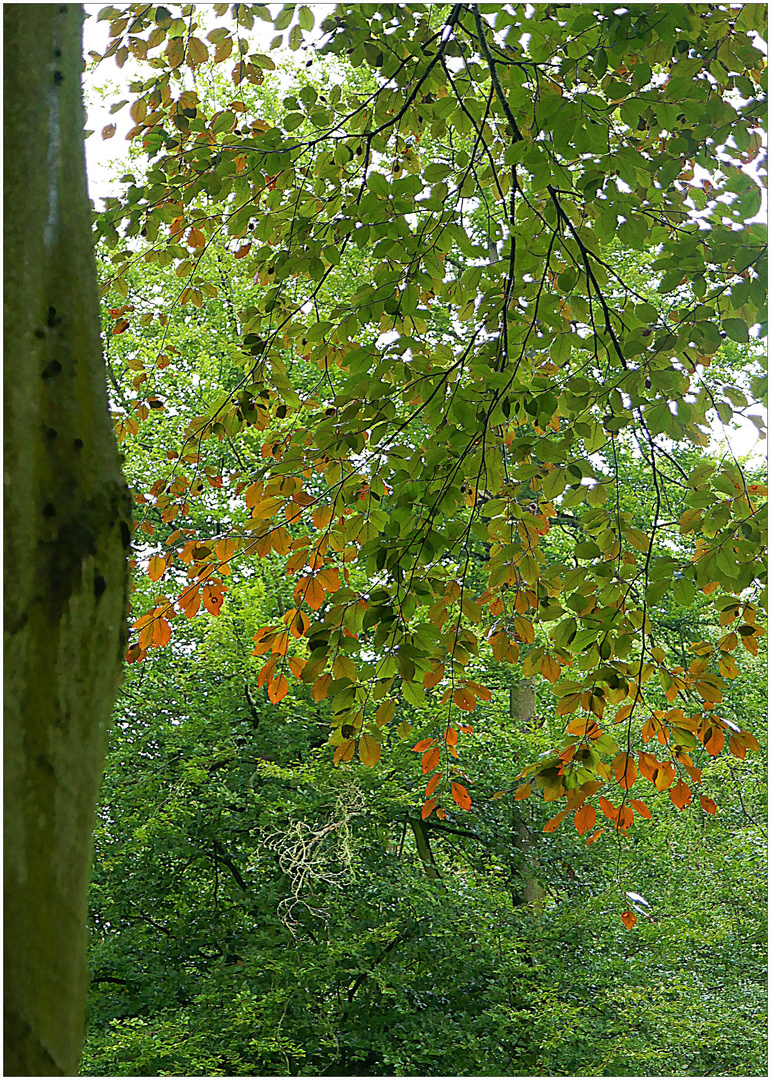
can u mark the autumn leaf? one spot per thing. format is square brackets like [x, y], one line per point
[430, 759]
[385, 713]
[424, 744]
[714, 740]
[428, 808]
[625, 770]
[156, 568]
[554, 823]
[680, 795]
[314, 594]
[464, 699]
[296, 665]
[161, 633]
[608, 809]
[522, 792]
[344, 752]
[431, 678]
[432, 784]
[278, 688]
[585, 819]
[640, 807]
[369, 750]
[460, 795]
[212, 599]
[321, 687]
[629, 919]
[708, 805]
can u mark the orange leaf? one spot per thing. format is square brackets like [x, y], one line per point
[196, 239]
[296, 665]
[321, 687]
[460, 795]
[432, 783]
[321, 516]
[664, 776]
[640, 807]
[451, 736]
[299, 624]
[629, 919]
[585, 819]
[625, 817]
[554, 823]
[161, 633]
[212, 599]
[441, 814]
[428, 808]
[280, 644]
[278, 688]
[329, 579]
[156, 568]
[430, 759]
[594, 836]
[424, 744]
[190, 601]
[369, 750]
[523, 628]
[344, 752]
[522, 791]
[736, 748]
[314, 594]
[431, 678]
[625, 770]
[713, 741]
[464, 699]
[608, 809]
[680, 795]
[708, 805]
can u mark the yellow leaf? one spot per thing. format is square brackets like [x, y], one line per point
[369, 750]
[156, 568]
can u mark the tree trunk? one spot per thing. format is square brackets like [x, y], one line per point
[522, 709]
[67, 531]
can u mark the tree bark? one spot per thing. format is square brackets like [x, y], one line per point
[522, 709]
[67, 531]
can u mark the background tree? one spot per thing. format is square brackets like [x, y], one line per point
[446, 356]
[67, 530]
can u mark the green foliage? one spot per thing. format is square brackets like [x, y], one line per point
[420, 348]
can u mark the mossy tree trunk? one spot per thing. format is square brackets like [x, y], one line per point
[67, 515]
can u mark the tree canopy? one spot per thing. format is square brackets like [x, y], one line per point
[479, 284]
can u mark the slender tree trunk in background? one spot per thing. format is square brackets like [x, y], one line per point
[522, 709]
[67, 514]
[423, 845]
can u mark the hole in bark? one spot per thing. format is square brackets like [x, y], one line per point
[77, 444]
[52, 319]
[51, 434]
[125, 534]
[99, 585]
[58, 78]
[54, 368]
[49, 510]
